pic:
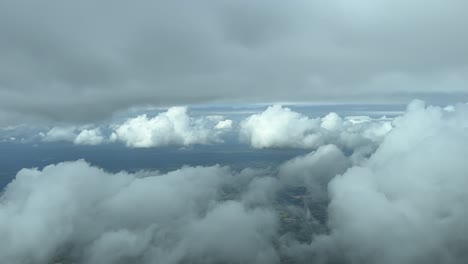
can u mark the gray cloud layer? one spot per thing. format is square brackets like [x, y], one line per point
[84, 60]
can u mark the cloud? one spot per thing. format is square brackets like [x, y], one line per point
[315, 169]
[406, 204]
[76, 135]
[332, 122]
[280, 127]
[224, 124]
[59, 134]
[173, 127]
[247, 236]
[173, 53]
[73, 212]
[276, 127]
[89, 137]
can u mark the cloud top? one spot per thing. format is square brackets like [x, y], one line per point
[173, 127]
[281, 127]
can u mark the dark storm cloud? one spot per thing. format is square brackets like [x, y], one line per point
[84, 60]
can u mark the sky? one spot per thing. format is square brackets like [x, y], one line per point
[233, 131]
[82, 61]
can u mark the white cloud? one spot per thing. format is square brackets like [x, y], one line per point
[77, 135]
[89, 137]
[173, 127]
[332, 122]
[279, 127]
[75, 213]
[224, 124]
[315, 169]
[59, 134]
[407, 203]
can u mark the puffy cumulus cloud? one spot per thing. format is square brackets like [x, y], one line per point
[75, 213]
[280, 127]
[407, 203]
[332, 122]
[224, 124]
[59, 134]
[315, 169]
[171, 52]
[173, 127]
[76, 135]
[89, 137]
